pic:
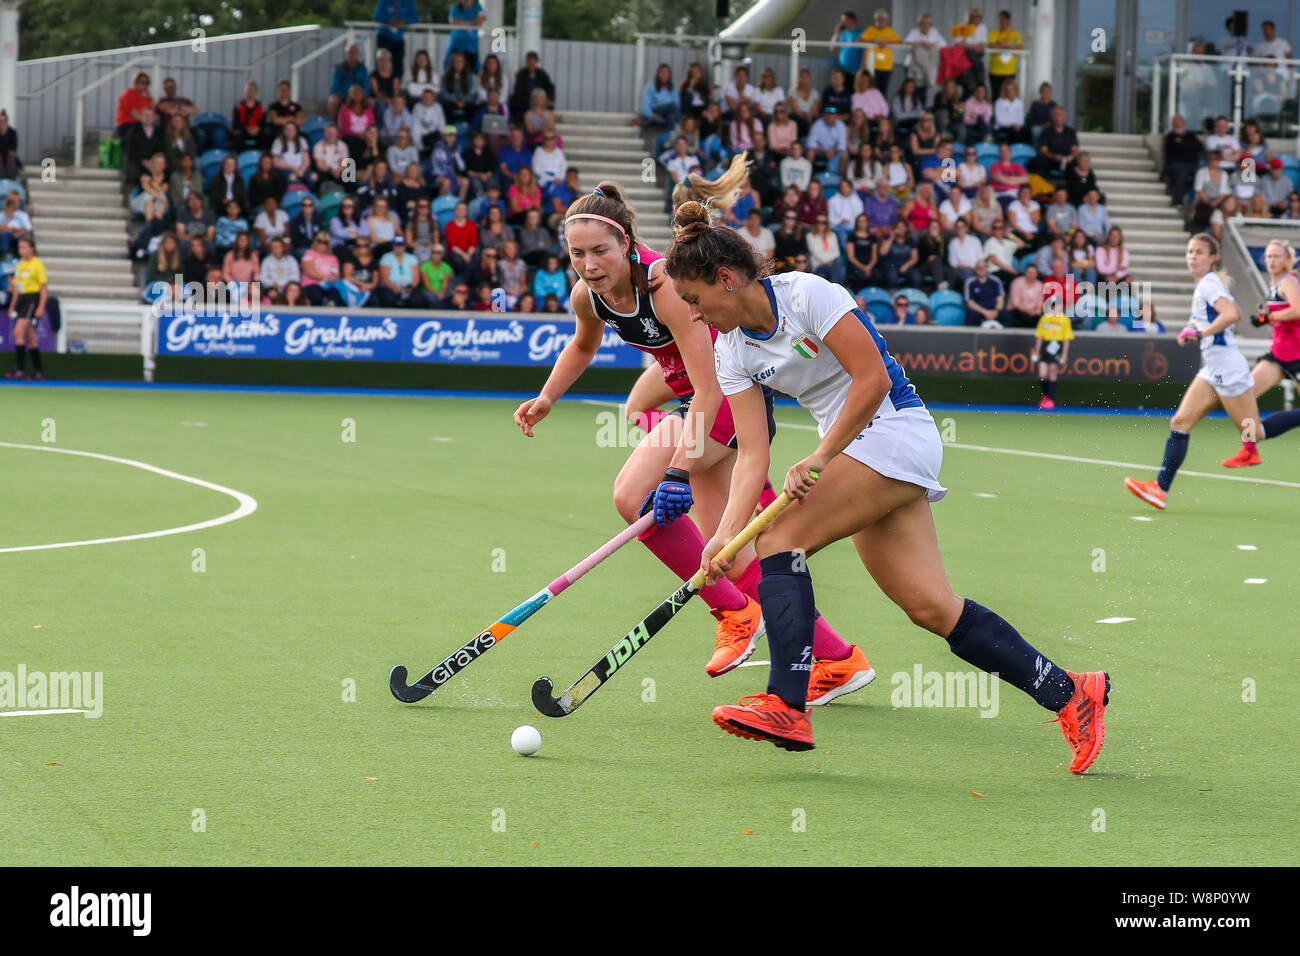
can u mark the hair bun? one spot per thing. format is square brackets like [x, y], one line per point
[692, 219]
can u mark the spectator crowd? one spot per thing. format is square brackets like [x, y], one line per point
[918, 174]
[419, 187]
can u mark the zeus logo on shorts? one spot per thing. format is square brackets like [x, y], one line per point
[761, 376]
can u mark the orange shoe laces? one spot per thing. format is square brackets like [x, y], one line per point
[730, 627]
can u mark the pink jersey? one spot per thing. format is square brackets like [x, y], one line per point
[1286, 333]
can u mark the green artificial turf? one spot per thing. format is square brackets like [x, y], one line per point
[229, 690]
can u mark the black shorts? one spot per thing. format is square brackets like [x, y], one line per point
[1292, 367]
[724, 428]
[1047, 359]
[26, 305]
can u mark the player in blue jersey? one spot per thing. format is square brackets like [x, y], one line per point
[877, 464]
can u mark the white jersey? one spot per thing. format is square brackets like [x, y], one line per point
[1222, 364]
[1209, 291]
[794, 358]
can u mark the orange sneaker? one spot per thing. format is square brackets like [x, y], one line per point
[831, 679]
[737, 635]
[1083, 719]
[766, 717]
[1243, 458]
[1148, 491]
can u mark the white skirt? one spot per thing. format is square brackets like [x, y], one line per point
[903, 444]
[1226, 370]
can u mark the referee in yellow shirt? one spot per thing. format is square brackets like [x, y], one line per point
[1002, 65]
[26, 309]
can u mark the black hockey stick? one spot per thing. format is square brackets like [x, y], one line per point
[649, 626]
[449, 668]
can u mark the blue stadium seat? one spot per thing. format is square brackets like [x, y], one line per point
[314, 129]
[1291, 168]
[209, 163]
[476, 208]
[328, 206]
[830, 182]
[248, 162]
[989, 150]
[948, 307]
[879, 303]
[986, 161]
[211, 130]
[292, 201]
[1022, 152]
[1023, 260]
[916, 298]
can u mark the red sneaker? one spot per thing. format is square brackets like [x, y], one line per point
[15, 374]
[831, 679]
[737, 633]
[1148, 491]
[766, 717]
[1243, 458]
[1083, 719]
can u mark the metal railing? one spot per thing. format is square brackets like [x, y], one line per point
[1201, 86]
[733, 48]
[295, 69]
[51, 101]
[428, 33]
[79, 127]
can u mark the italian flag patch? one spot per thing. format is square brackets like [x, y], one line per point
[806, 347]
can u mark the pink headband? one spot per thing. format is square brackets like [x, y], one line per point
[592, 215]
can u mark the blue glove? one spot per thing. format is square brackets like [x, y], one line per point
[671, 499]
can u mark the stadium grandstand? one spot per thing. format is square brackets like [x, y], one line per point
[943, 163]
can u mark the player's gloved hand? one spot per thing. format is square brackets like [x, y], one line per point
[671, 499]
[1188, 334]
[1262, 317]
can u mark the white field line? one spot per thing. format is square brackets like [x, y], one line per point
[247, 503]
[1042, 454]
[37, 713]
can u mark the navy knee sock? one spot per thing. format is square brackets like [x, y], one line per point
[984, 639]
[20, 357]
[786, 594]
[35, 356]
[1175, 452]
[1280, 422]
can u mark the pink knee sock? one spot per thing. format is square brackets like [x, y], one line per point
[679, 547]
[648, 419]
[827, 645]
